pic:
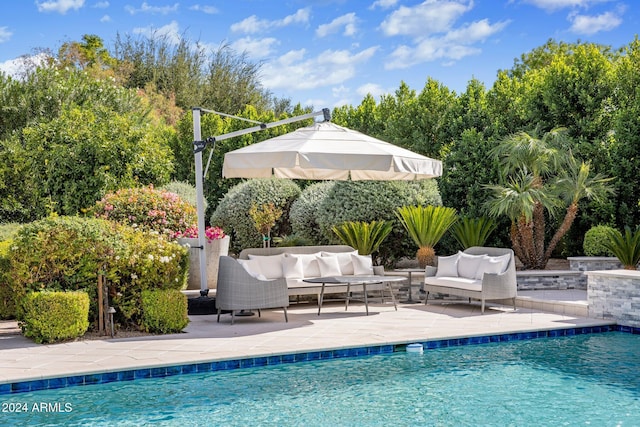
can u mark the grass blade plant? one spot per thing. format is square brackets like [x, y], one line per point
[366, 237]
[426, 225]
[473, 231]
[626, 247]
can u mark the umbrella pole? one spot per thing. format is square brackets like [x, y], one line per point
[204, 288]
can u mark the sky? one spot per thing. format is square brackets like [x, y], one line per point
[328, 53]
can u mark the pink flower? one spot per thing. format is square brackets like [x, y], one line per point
[212, 233]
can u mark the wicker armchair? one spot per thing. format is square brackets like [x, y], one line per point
[238, 290]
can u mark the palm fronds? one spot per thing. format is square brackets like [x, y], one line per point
[366, 237]
[626, 247]
[426, 224]
[473, 231]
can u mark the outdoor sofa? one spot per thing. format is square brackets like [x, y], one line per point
[480, 273]
[296, 263]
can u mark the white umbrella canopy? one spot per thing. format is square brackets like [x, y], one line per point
[326, 151]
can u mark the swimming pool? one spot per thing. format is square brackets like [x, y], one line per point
[591, 379]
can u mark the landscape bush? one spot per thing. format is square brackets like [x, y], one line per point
[67, 254]
[368, 201]
[596, 241]
[185, 191]
[164, 311]
[55, 316]
[304, 212]
[232, 213]
[7, 304]
[147, 208]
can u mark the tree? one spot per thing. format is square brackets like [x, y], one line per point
[539, 174]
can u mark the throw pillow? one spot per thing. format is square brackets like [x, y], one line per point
[310, 267]
[270, 265]
[344, 260]
[493, 265]
[468, 265]
[329, 266]
[448, 266]
[362, 265]
[252, 267]
[292, 268]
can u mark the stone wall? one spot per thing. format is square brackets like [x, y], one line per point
[532, 280]
[615, 295]
[592, 263]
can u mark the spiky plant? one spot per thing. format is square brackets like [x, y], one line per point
[626, 247]
[473, 231]
[426, 225]
[366, 237]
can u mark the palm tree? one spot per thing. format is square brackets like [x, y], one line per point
[539, 174]
[366, 237]
[426, 225]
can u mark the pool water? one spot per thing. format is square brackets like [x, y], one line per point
[583, 380]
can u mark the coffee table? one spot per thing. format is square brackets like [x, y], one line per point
[357, 281]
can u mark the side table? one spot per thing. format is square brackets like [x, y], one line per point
[409, 272]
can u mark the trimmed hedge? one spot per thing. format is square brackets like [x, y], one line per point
[595, 241]
[164, 311]
[7, 302]
[55, 316]
[304, 212]
[232, 213]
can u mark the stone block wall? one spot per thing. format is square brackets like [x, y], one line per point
[532, 280]
[593, 263]
[614, 295]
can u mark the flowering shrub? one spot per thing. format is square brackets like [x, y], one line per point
[212, 233]
[147, 209]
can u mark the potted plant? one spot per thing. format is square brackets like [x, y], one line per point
[216, 244]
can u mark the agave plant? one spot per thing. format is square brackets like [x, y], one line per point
[626, 247]
[366, 237]
[473, 231]
[426, 225]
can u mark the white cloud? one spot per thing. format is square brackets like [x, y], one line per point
[105, 18]
[255, 48]
[60, 6]
[252, 24]
[170, 32]
[588, 25]
[331, 67]
[474, 32]
[371, 88]
[5, 34]
[101, 5]
[347, 21]
[145, 8]
[430, 17]
[383, 4]
[553, 5]
[16, 67]
[209, 10]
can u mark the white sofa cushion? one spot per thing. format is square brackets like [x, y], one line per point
[310, 266]
[362, 265]
[468, 265]
[329, 266]
[455, 282]
[253, 267]
[270, 265]
[493, 265]
[344, 260]
[448, 266]
[292, 268]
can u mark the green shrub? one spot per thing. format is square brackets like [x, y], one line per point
[304, 212]
[595, 241]
[147, 209]
[626, 247]
[7, 302]
[368, 201]
[291, 240]
[470, 232]
[8, 230]
[232, 213]
[60, 254]
[66, 254]
[164, 311]
[366, 237]
[55, 316]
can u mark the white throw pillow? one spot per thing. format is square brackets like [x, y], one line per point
[362, 265]
[310, 267]
[329, 266]
[292, 268]
[448, 266]
[344, 260]
[270, 265]
[468, 265]
[493, 265]
[252, 267]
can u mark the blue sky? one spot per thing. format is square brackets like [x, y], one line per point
[328, 53]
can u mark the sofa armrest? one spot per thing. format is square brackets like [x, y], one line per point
[430, 271]
[502, 285]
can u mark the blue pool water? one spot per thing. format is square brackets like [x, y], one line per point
[583, 380]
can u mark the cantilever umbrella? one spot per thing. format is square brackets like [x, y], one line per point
[326, 151]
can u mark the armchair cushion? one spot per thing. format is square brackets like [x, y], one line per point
[362, 265]
[448, 266]
[468, 265]
[492, 265]
[269, 265]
